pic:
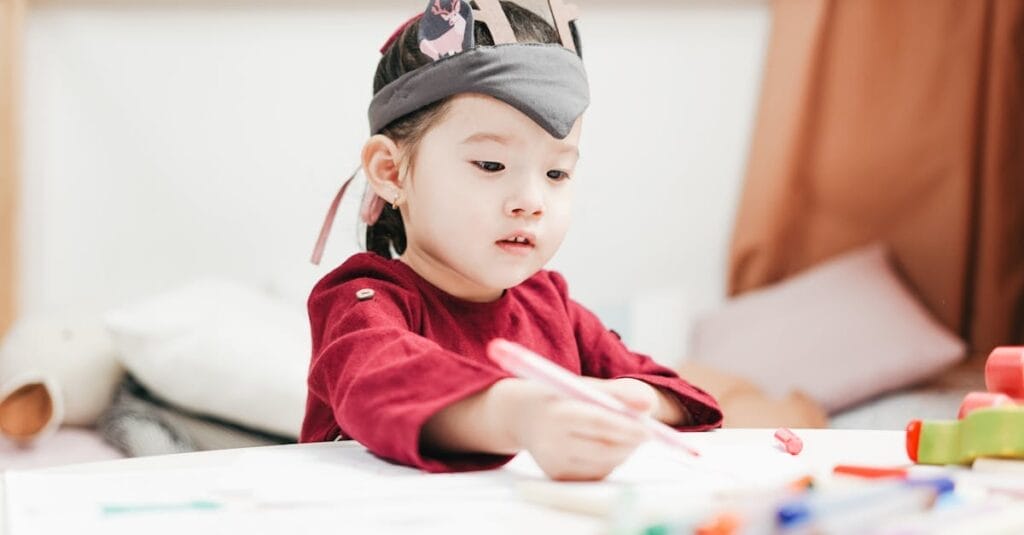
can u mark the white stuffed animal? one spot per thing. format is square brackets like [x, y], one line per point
[53, 371]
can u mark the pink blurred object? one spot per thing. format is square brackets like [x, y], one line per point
[841, 332]
[332, 211]
[371, 207]
[792, 443]
[69, 445]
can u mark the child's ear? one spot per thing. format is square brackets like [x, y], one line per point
[381, 164]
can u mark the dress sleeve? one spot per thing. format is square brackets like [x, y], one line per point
[383, 381]
[603, 355]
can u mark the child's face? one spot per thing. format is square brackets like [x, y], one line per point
[485, 174]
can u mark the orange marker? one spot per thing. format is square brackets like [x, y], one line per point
[723, 524]
[870, 472]
[801, 484]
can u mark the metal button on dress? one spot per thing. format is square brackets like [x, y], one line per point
[364, 294]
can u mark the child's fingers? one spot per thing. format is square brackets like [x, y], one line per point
[595, 458]
[578, 470]
[612, 436]
[583, 459]
[637, 395]
[599, 452]
[596, 423]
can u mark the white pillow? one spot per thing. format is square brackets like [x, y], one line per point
[220, 349]
[842, 332]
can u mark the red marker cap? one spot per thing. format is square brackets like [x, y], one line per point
[913, 439]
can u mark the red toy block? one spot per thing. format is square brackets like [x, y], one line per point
[1004, 371]
[1004, 379]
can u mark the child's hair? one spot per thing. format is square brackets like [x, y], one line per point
[403, 56]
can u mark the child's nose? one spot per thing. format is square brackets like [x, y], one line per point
[526, 201]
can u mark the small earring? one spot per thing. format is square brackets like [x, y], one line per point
[394, 202]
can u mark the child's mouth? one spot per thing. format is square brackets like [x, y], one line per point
[517, 245]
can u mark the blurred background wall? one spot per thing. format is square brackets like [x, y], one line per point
[167, 141]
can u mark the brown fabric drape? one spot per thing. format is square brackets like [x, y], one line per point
[900, 121]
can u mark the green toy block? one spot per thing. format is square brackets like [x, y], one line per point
[990, 432]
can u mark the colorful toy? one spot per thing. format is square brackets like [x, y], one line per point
[986, 432]
[1004, 371]
[1004, 379]
[989, 424]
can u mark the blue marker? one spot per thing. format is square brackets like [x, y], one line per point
[863, 506]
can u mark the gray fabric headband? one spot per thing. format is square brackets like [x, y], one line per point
[546, 82]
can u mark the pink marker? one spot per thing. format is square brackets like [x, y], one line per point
[790, 442]
[526, 364]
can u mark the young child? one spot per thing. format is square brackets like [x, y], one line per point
[475, 125]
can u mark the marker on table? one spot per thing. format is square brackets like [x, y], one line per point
[526, 364]
[790, 442]
[871, 472]
[995, 518]
[861, 507]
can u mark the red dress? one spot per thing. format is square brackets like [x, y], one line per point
[383, 364]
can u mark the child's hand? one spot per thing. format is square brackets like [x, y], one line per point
[573, 440]
[636, 394]
[662, 406]
[569, 439]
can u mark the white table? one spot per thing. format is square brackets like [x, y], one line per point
[367, 494]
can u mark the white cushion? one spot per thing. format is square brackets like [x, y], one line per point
[220, 349]
[842, 332]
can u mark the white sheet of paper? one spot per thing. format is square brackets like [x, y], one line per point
[297, 489]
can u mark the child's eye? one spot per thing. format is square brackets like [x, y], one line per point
[490, 167]
[556, 174]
